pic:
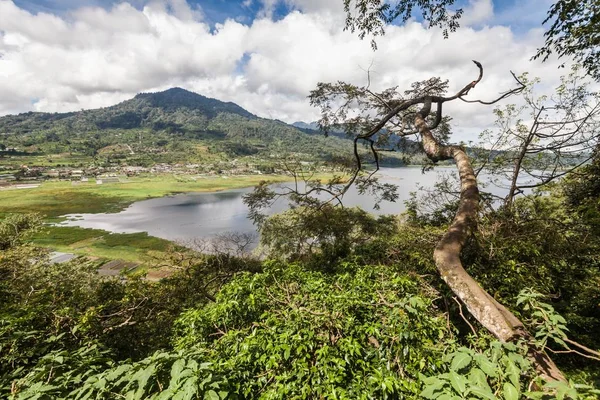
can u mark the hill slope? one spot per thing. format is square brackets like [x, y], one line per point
[173, 121]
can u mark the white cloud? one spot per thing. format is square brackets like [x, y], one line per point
[94, 57]
[478, 12]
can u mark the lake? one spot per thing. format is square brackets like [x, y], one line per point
[183, 217]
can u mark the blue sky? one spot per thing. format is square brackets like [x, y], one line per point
[520, 15]
[216, 11]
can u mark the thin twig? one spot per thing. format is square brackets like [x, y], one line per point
[463, 316]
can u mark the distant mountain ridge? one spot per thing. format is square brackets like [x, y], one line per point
[313, 126]
[155, 121]
[153, 110]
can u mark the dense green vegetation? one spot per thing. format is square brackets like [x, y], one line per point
[349, 307]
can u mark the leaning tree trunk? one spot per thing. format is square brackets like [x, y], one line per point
[496, 318]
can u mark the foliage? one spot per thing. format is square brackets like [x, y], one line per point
[303, 333]
[364, 332]
[539, 245]
[500, 368]
[278, 330]
[371, 16]
[16, 228]
[545, 322]
[323, 235]
[51, 307]
[573, 32]
[89, 373]
[582, 192]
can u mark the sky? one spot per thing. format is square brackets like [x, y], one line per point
[265, 55]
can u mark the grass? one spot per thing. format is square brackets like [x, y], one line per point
[53, 199]
[136, 247]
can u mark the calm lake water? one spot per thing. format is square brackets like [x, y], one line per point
[183, 217]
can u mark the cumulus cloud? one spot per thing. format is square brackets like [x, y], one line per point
[478, 12]
[94, 57]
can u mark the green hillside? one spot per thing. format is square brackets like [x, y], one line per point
[171, 126]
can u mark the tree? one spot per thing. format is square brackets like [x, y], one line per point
[412, 114]
[574, 32]
[544, 139]
[373, 119]
[323, 235]
[372, 15]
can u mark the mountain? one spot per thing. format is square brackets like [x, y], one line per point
[172, 126]
[313, 126]
[174, 108]
[172, 121]
[175, 98]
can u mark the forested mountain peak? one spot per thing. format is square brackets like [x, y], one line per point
[174, 98]
[174, 108]
[176, 117]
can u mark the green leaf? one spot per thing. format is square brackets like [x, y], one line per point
[486, 365]
[177, 368]
[460, 361]
[510, 392]
[479, 379]
[430, 392]
[459, 382]
[211, 395]
[484, 393]
[513, 372]
[446, 396]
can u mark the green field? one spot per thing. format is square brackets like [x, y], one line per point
[53, 199]
[96, 243]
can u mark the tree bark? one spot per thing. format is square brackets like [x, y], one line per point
[496, 318]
